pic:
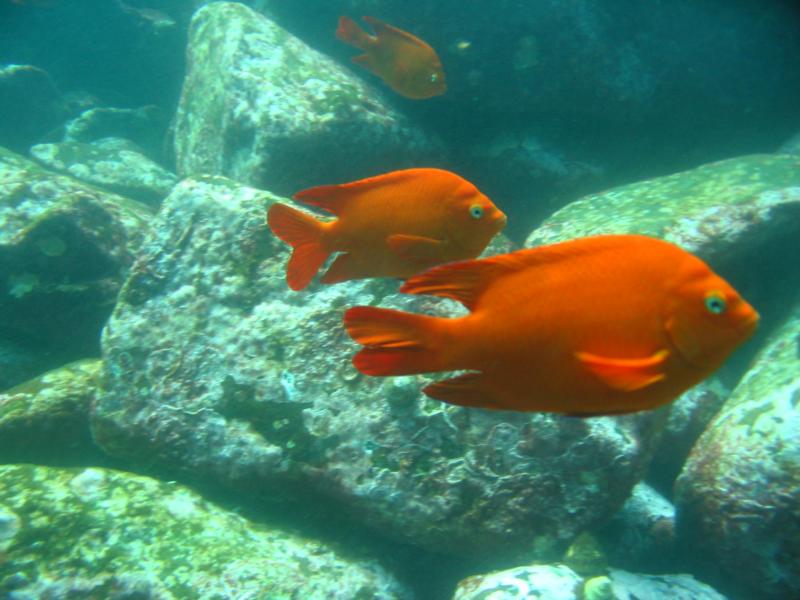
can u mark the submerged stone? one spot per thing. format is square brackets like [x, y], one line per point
[115, 164]
[260, 106]
[738, 496]
[46, 420]
[98, 533]
[64, 250]
[30, 106]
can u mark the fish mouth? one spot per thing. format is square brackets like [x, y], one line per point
[748, 326]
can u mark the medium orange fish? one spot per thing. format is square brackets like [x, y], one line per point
[407, 64]
[599, 325]
[391, 225]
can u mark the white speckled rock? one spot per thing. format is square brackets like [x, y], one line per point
[261, 107]
[111, 163]
[97, 533]
[635, 586]
[536, 582]
[738, 497]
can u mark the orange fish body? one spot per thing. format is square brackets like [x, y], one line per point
[600, 325]
[407, 64]
[391, 225]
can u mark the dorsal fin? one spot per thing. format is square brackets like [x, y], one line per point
[332, 198]
[466, 281]
[384, 30]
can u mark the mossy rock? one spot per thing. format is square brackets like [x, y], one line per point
[688, 207]
[98, 533]
[46, 419]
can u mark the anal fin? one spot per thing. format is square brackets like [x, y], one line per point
[626, 374]
[468, 390]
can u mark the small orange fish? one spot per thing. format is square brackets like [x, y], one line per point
[599, 325]
[407, 64]
[391, 225]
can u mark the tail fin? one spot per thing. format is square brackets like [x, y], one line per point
[395, 342]
[350, 33]
[304, 234]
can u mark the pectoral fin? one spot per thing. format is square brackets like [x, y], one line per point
[416, 248]
[626, 374]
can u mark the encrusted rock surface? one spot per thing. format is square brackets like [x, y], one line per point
[115, 164]
[710, 208]
[216, 369]
[261, 107]
[738, 496]
[559, 582]
[97, 533]
[65, 248]
[46, 420]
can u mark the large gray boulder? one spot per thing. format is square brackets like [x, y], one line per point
[65, 248]
[97, 533]
[260, 106]
[738, 497]
[216, 370]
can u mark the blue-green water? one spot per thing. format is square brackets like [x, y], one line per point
[175, 422]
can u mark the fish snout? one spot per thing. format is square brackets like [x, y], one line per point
[500, 219]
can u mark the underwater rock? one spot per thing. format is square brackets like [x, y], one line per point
[641, 536]
[688, 417]
[30, 106]
[261, 107]
[115, 164]
[635, 586]
[738, 497]
[64, 250]
[791, 146]
[559, 582]
[707, 210]
[145, 126]
[215, 369]
[98, 533]
[46, 420]
[553, 582]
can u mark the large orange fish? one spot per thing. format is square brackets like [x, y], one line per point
[599, 325]
[407, 64]
[391, 225]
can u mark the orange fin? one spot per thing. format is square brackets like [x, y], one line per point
[334, 198]
[395, 342]
[364, 61]
[626, 374]
[466, 281]
[415, 248]
[344, 268]
[384, 30]
[465, 390]
[349, 32]
[304, 234]
[463, 281]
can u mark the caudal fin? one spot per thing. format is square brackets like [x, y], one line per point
[304, 234]
[395, 342]
[350, 33]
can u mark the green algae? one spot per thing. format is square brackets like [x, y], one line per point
[95, 524]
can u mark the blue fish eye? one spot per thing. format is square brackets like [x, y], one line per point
[476, 211]
[715, 303]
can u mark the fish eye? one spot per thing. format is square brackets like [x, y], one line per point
[434, 77]
[715, 303]
[476, 211]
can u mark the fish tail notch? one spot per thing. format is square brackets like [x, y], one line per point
[349, 32]
[304, 234]
[395, 342]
